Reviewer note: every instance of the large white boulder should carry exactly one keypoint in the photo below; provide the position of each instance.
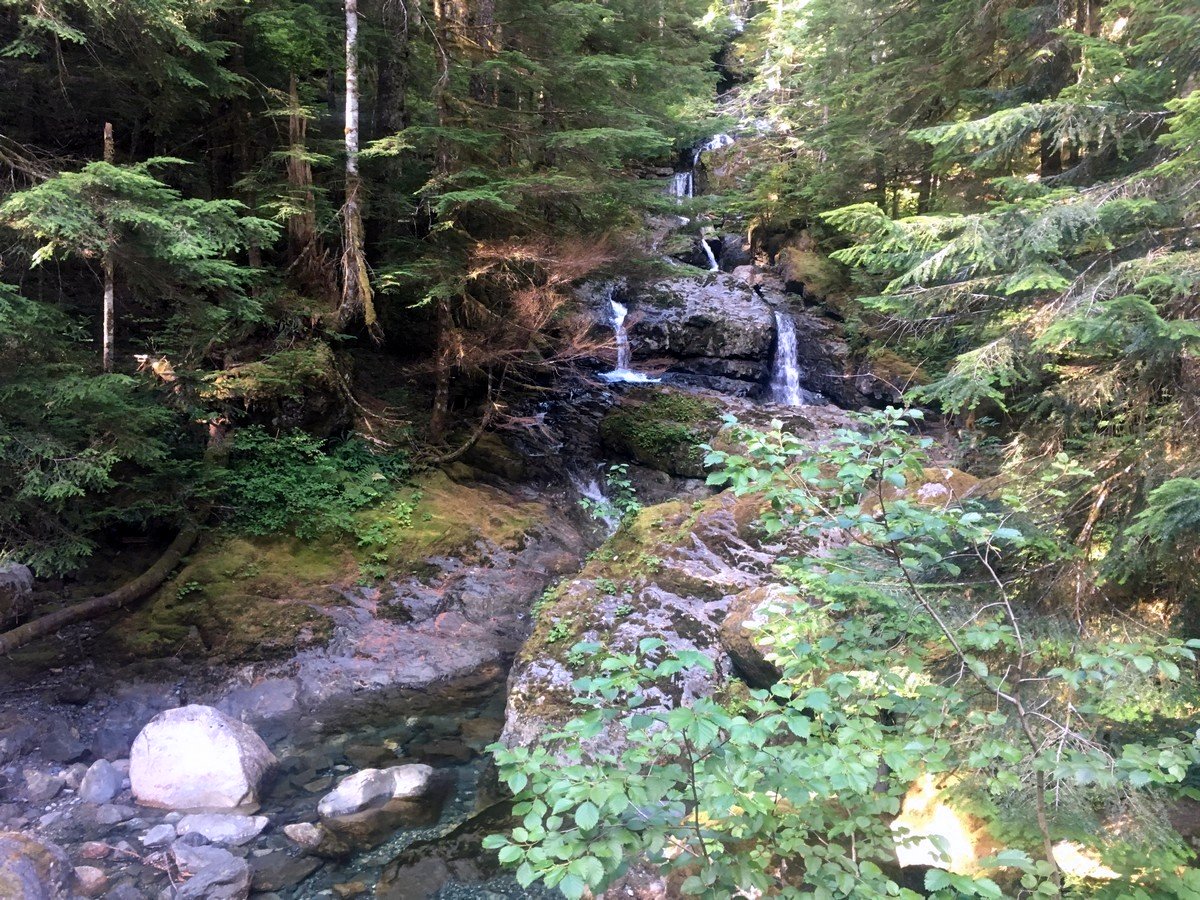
(197, 758)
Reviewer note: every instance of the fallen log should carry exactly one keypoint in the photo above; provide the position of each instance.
(94, 607)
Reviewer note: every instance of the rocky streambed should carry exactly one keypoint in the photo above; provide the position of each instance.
(283, 720)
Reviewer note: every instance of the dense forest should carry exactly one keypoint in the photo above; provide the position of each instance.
(599, 448)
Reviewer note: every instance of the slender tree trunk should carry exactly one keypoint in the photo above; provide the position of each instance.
(108, 327)
(440, 414)
(357, 302)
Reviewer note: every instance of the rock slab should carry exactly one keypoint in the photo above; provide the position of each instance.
(32, 870)
(196, 758)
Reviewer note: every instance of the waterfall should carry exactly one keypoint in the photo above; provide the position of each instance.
(623, 372)
(620, 311)
(683, 184)
(708, 252)
(785, 372)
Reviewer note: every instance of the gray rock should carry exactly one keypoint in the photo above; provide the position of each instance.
(277, 870)
(111, 814)
(33, 870)
(61, 743)
(735, 252)
(90, 881)
(375, 787)
(198, 758)
(101, 783)
(316, 839)
(125, 891)
(74, 775)
(16, 593)
(223, 828)
(216, 874)
(41, 787)
(159, 836)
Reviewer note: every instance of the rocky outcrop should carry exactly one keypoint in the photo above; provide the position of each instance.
(748, 611)
(16, 593)
(661, 428)
(669, 574)
(32, 870)
(708, 329)
(198, 758)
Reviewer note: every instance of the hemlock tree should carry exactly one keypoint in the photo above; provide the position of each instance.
(144, 230)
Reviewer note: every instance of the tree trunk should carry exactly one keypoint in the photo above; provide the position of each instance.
(108, 326)
(357, 302)
(130, 592)
(440, 414)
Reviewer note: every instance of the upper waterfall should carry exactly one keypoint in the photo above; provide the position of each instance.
(623, 372)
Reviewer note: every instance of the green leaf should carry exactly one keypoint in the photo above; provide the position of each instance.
(587, 815)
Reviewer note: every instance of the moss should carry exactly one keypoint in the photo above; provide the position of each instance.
(249, 598)
(662, 429)
(244, 598)
(283, 374)
(891, 367)
(817, 273)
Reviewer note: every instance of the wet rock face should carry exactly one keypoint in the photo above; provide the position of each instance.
(747, 611)
(198, 758)
(32, 870)
(16, 593)
(710, 328)
(669, 574)
(708, 318)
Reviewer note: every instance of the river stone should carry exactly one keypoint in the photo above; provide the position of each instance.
(101, 783)
(316, 839)
(41, 787)
(216, 873)
(375, 787)
(16, 593)
(222, 828)
(278, 870)
(33, 870)
(159, 836)
(90, 881)
(198, 758)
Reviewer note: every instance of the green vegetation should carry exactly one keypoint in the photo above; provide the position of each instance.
(662, 429)
(891, 672)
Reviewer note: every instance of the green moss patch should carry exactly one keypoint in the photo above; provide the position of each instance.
(663, 429)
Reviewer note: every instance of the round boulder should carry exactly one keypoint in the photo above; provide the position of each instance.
(196, 758)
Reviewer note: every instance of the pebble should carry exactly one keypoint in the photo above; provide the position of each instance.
(41, 787)
(94, 850)
(90, 881)
(159, 835)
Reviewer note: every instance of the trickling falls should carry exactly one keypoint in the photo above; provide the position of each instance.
(712, 258)
(683, 184)
(785, 372)
(623, 372)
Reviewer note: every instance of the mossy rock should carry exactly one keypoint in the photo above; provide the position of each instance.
(809, 273)
(241, 598)
(662, 429)
(491, 455)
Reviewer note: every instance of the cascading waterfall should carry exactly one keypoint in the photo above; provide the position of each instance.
(712, 258)
(623, 372)
(785, 371)
(683, 184)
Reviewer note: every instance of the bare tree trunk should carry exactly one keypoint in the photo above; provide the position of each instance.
(109, 272)
(357, 301)
(440, 414)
